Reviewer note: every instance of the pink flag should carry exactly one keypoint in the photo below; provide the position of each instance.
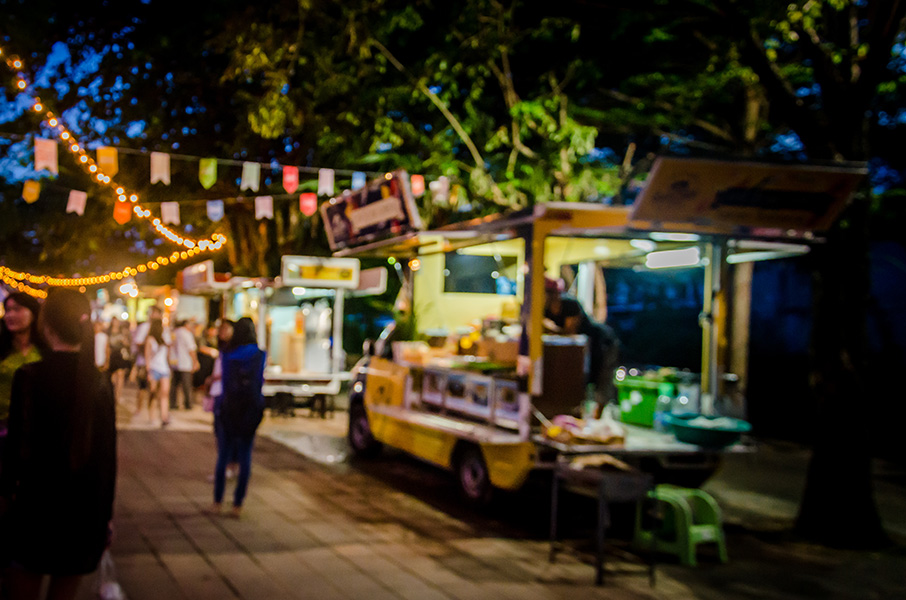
(308, 204)
(76, 202)
(290, 179)
(46, 156)
(169, 212)
(325, 181)
(264, 207)
(160, 167)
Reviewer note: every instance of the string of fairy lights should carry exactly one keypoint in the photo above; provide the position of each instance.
(20, 280)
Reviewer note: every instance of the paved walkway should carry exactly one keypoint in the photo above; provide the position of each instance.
(316, 526)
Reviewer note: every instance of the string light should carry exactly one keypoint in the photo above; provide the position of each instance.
(21, 280)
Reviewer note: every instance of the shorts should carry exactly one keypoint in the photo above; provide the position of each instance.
(157, 375)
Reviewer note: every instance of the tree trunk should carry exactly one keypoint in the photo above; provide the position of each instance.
(838, 506)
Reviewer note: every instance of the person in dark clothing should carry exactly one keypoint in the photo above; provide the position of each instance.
(59, 469)
(238, 410)
(564, 315)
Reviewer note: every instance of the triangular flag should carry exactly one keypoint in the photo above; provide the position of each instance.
(107, 160)
(308, 204)
(251, 176)
(76, 202)
(215, 210)
(46, 156)
(122, 212)
(325, 182)
(264, 207)
(169, 212)
(207, 172)
(290, 179)
(31, 190)
(358, 180)
(160, 167)
(418, 185)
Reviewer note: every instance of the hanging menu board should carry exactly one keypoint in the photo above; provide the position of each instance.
(383, 208)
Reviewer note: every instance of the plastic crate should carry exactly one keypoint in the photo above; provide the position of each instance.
(638, 398)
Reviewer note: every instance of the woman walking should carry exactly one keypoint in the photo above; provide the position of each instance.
(157, 359)
(59, 468)
(238, 411)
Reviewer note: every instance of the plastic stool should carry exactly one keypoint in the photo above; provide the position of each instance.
(691, 517)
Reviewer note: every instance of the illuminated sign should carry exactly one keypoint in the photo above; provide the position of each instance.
(313, 271)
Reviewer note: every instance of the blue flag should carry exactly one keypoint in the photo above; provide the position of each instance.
(358, 180)
(215, 210)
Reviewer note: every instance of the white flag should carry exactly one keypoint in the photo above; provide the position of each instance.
(160, 167)
(46, 156)
(169, 212)
(76, 202)
(264, 207)
(251, 176)
(325, 182)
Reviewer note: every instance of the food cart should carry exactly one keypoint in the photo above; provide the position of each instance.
(477, 388)
(299, 322)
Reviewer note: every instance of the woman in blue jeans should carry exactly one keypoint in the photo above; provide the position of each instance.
(238, 411)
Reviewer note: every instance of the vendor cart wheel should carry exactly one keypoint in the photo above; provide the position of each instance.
(359, 433)
(474, 479)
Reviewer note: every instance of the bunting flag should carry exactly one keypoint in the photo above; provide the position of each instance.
(46, 156)
(207, 172)
(264, 207)
(169, 212)
(160, 167)
(107, 160)
(290, 179)
(122, 212)
(418, 184)
(215, 210)
(251, 176)
(325, 182)
(31, 190)
(76, 202)
(440, 190)
(308, 204)
(358, 180)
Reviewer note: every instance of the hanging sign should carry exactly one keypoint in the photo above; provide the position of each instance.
(107, 160)
(264, 207)
(290, 179)
(251, 176)
(76, 202)
(215, 210)
(308, 204)
(169, 212)
(207, 172)
(122, 212)
(160, 167)
(46, 156)
(383, 208)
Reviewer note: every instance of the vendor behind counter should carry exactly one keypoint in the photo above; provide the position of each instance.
(564, 315)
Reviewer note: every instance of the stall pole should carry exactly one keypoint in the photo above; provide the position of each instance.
(336, 347)
(708, 321)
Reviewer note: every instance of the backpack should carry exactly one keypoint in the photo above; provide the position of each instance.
(242, 406)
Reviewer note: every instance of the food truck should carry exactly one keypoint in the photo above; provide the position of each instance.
(299, 322)
(478, 387)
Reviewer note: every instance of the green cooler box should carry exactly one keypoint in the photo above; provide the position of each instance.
(638, 398)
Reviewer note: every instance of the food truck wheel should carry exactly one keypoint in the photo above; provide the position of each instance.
(359, 434)
(474, 479)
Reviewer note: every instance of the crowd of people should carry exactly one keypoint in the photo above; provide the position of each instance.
(61, 373)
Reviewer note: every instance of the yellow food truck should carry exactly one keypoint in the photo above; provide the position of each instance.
(476, 386)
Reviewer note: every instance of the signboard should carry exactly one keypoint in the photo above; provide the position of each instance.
(198, 277)
(383, 208)
(743, 198)
(314, 271)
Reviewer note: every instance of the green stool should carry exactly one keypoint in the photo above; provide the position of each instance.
(690, 517)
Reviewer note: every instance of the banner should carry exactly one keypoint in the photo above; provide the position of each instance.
(31, 190)
(264, 207)
(207, 172)
(46, 156)
(440, 190)
(169, 212)
(358, 180)
(122, 212)
(107, 160)
(160, 167)
(308, 204)
(290, 179)
(76, 202)
(215, 210)
(325, 182)
(251, 176)
(418, 185)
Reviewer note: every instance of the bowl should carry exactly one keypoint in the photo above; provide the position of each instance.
(708, 431)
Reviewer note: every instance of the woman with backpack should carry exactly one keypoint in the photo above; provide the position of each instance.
(238, 410)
